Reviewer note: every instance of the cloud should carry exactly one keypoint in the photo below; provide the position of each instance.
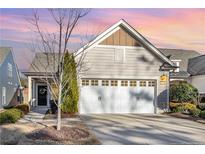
(169, 28)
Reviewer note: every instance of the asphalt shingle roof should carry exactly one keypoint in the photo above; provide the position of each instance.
(184, 56)
(196, 65)
(44, 62)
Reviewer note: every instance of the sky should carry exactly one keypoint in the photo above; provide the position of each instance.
(165, 28)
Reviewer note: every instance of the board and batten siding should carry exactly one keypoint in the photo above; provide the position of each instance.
(99, 62)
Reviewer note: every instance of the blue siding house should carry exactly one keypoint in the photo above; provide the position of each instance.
(9, 78)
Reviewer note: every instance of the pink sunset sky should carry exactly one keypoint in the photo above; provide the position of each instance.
(165, 28)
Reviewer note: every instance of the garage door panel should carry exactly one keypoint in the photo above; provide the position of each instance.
(119, 99)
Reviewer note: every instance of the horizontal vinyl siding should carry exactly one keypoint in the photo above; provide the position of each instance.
(138, 62)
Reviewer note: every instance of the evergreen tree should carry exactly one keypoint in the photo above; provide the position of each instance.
(70, 91)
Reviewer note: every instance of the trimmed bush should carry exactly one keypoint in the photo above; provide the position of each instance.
(201, 106)
(202, 114)
(23, 107)
(183, 92)
(10, 116)
(195, 112)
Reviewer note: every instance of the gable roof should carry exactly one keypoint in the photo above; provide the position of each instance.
(4, 51)
(130, 29)
(44, 62)
(196, 66)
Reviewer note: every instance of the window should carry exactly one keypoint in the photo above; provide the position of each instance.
(9, 69)
(94, 82)
(142, 83)
(113, 82)
(176, 63)
(124, 83)
(151, 83)
(3, 95)
(105, 82)
(133, 83)
(119, 55)
(85, 82)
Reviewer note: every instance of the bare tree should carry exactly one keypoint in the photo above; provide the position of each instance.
(54, 46)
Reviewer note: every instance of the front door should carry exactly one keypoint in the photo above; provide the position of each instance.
(42, 95)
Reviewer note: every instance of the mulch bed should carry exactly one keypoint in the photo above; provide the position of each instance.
(65, 134)
(186, 116)
(48, 115)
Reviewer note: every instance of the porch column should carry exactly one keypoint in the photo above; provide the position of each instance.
(48, 96)
(30, 90)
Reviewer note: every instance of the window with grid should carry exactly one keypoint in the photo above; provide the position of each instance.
(94, 82)
(133, 83)
(85, 82)
(151, 83)
(124, 83)
(142, 83)
(113, 82)
(105, 82)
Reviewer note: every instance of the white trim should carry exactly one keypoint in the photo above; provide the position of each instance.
(117, 77)
(121, 46)
(113, 29)
(41, 84)
(98, 39)
(177, 60)
(16, 67)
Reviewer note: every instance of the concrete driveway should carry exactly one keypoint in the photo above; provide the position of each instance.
(144, 129)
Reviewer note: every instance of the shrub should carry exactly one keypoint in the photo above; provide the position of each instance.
(201, 106)
(10, 116)
(23, 107)
(173, 105)
(202, 114)
(195, 112)
(70, 91)
(183, 92)
(178, 109)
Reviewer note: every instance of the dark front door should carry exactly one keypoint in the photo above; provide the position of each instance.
(42, 95)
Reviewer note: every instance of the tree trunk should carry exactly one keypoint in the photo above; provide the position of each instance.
(59, 102)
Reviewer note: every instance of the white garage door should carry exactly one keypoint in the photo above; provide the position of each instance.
(117, 96)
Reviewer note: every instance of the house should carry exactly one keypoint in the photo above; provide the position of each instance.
(180, 58)
(9, 78)
(196, 69)
(126, 74)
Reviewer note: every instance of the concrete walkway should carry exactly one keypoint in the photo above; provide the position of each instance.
(144, 129)
(36, 115)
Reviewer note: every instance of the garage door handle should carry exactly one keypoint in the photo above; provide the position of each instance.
(99, 98)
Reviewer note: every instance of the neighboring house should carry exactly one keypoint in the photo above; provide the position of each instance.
(9, 78)
(196, 68)
(180, 58)
(126, 74)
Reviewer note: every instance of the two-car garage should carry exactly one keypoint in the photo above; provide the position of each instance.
(117, 96)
